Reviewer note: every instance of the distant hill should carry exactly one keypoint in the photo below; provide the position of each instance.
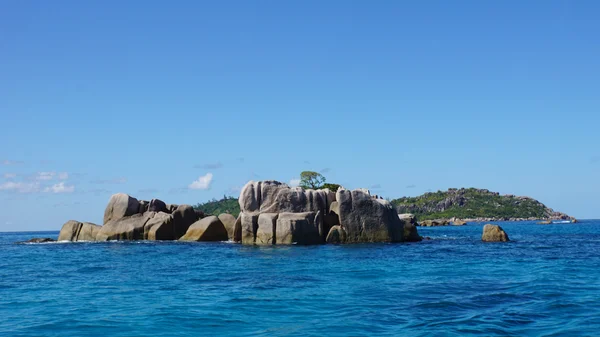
(471, 203)
(215, 207)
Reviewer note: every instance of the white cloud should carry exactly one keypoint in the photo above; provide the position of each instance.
(45, 176)
(294, 182)
(63, 176)
(203, 182)
(10, 175)
(20, 187)
(7, 162)
(60, 188)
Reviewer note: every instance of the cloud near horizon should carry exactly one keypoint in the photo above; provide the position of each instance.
(294, 182)
(46, 176)
(7, 162)
(60, 188)
(203, 182)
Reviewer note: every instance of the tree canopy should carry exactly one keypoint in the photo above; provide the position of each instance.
(311, 180)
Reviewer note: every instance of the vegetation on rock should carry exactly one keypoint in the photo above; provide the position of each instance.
(215, 207)
(470, 203)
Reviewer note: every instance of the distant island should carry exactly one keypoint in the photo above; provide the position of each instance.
(474, 204)
(469, 204)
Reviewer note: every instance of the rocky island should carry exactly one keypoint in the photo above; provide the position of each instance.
(271, 213)
(475, 205)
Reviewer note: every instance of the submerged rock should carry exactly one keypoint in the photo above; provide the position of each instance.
(494, 233)
(38, 240)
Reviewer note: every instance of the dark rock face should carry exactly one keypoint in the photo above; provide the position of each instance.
(494, 233)
(157, 206)
(228, 221)
(336, 235)
(410, 228)
(183, 217)
(38, 240)
(366, 219)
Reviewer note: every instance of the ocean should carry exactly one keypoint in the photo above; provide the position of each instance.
(545, 282)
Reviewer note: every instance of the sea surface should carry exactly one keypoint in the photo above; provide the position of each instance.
(545, 282)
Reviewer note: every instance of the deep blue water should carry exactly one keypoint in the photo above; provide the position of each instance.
(546, 282)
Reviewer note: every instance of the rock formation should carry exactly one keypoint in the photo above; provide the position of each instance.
(274, 213)
(410, 227)
(494, 233)
(127, 218)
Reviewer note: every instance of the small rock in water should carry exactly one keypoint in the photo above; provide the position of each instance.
(494, 233)
(38, 240)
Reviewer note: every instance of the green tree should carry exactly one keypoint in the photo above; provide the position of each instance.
(331, 187)
(311, 180)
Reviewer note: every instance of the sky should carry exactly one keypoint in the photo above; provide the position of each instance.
(187, 101)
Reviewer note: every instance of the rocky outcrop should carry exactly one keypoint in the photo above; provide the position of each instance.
(457, 222)
(78, 231)
(228, 221)
(207, 229)
(366, 219)
(274, 213)
(434, 223)
(121, 205)
(127, 218)
(410, 227)
(494, 233)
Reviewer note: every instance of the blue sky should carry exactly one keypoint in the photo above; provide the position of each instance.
(189, 100)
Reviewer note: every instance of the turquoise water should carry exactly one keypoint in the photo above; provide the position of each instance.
(546, 282)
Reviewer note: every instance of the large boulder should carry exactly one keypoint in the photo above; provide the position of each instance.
(159, 226)
(228, 221)
(119, 206)
(77, 231)
(206, 229)
(410, 228)
(249, 226)
(494, 233)
(157, 205)
(127, 228)
(297, 228)
(183, 217)
(265, 233)
(275, 197)
(366, 219)
(336, 235)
